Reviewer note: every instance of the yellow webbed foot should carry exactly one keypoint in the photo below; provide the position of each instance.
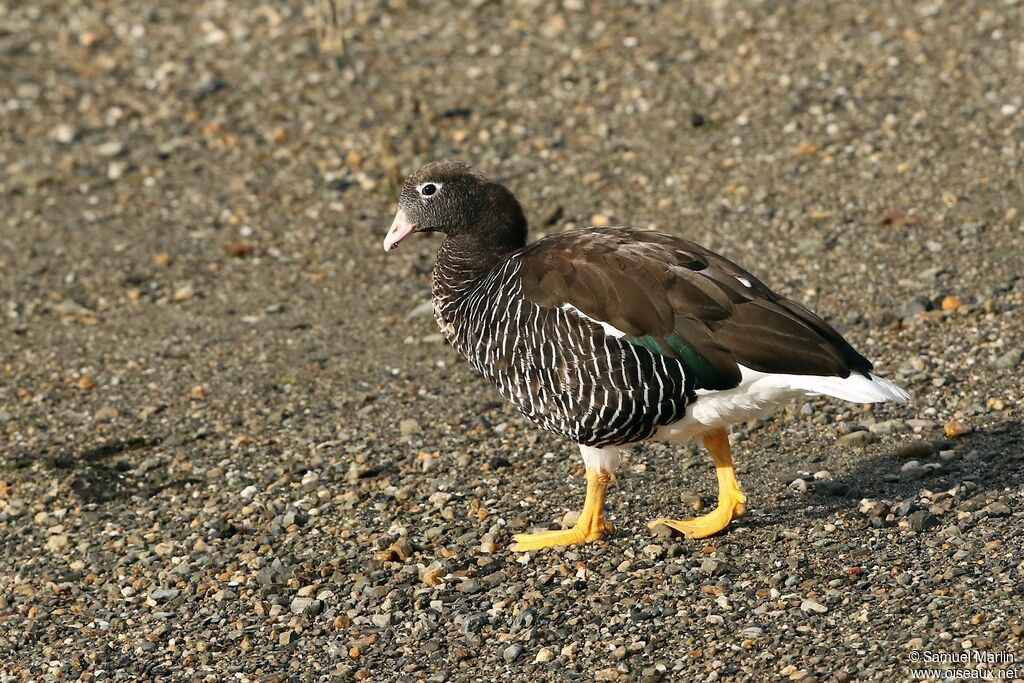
(549, 539)
(590, 526)
(731, 501)
(709, 524)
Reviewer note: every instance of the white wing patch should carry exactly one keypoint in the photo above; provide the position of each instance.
(743, 281)
(608, 329)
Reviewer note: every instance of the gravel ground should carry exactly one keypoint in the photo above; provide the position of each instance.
(233, 445)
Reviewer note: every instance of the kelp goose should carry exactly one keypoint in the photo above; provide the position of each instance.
(612, 336)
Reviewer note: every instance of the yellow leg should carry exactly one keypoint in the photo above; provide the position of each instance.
(591, 525)
(731, 501)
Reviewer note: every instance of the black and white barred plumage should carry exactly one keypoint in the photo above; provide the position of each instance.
(559, 368)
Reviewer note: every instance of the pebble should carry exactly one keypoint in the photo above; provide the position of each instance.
(1008, 360)
(421, 310)
(162, 595)
(64, 133)
(873, 508)
(955, 429)
(409, 426)
(112, 148)
(544, 655)
(922, 520)
(917, 306)
(859, 439)
(916, 449)
(834, 488)
(107, 413)
(512, 652)
(306, 606)
(116, 169)
(813, 606)
(912, 470)
(57, 542)
(654, 551)
(710, 565)
(951, 302)
(662, 531)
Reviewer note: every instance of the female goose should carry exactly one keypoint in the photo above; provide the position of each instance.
(612, 336)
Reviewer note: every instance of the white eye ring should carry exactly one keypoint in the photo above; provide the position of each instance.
(428, 190)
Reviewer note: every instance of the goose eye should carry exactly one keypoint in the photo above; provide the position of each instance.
(429, 189)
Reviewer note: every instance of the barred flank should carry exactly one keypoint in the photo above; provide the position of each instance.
(558, 368)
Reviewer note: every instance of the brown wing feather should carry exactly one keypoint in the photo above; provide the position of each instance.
(649, 284)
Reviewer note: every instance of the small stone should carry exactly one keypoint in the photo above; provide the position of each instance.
(409, 426)
(922, 520)
(813, 606)
(432, 574)
(798, 485)
(306, 606)
(714, 619)
(834, 488)
(401, 549)
(57, 543)
(422, 310)
(654, 551)
(859, 439)
(248, 492)
(954, 429)
(1008, 360)
(709, 565)
(113, 148)
(997, 509)
(916, 449)
(919, 425)
(916, 306)
(278, 136)
(512, 652)
(107, 413)
(287, 637)
(822, 474)
(544, 655)
(64, 133)
(162, 595)
(692, 500)
(662, 531)
(116, 170)
(873, 508)
(951, 302)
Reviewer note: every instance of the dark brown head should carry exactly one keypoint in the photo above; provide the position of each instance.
(451, 197)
